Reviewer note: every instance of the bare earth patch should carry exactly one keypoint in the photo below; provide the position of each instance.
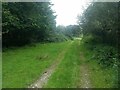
(85, 81)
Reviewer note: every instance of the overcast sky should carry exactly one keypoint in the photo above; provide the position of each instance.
(67, 10)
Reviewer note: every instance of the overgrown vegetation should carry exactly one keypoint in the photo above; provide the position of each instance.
(103, 66)
(106, 56)
(101, 32)
(100, 27)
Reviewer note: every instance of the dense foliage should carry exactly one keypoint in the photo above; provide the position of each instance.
(31, 22)
(25, 23)
(100, 24)
(101, 20)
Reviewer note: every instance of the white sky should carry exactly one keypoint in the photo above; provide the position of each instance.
(67, 10)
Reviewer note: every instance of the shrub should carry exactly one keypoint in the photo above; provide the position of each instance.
(107, 56)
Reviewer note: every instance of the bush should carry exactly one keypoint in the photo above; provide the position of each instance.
(107, 56)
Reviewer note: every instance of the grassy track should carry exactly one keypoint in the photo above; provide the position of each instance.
(23, 66)
(65, 75)
(42, 80)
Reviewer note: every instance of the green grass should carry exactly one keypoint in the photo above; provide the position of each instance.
(66, 75)
(100, 77)
(24, 65)
(103, 78)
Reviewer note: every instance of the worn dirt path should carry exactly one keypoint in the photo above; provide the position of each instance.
(84, 81)
(47, 73)
(84, 73)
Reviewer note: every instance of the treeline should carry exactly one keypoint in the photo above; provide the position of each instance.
(28, 22)
(68, 32)
(101, 20)
(100, 27)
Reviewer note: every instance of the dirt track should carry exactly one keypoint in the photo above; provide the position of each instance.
(47, 73)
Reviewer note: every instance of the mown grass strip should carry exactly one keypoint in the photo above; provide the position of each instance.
(65, 75)
(23, 66)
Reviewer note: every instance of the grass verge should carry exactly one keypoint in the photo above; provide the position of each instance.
(22, 66)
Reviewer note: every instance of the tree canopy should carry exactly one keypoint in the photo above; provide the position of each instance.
(100, 20)
(26, 22)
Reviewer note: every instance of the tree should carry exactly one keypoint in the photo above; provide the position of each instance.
(100, 20)
(26, 22)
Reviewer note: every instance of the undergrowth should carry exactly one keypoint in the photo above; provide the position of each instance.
(106, 55)
(105, 60)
